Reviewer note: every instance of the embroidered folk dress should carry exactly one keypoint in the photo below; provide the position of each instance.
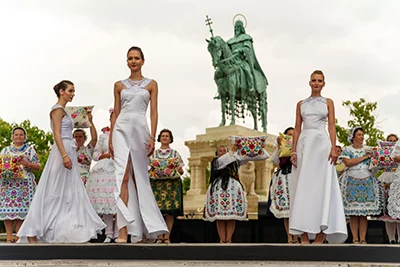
(279, 190)
(101, 185)
(227, 203)
(393, 205)
(362, 193)
(168, 191)
(85, 154)
(16, 194)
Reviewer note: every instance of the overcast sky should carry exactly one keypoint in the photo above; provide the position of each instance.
(356, 44)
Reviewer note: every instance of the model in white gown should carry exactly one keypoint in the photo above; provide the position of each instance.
(61, 211)
(141, 216)
(315, 198)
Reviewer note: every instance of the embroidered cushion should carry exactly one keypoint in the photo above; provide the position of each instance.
(164, 168)
(385, 143)
(381, 158)
(80, 115)
(286, 145)
(10, 167)
(250, 148)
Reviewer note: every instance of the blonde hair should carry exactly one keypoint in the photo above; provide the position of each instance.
(318, 72)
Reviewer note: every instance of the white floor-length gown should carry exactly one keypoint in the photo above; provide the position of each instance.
(60, 211)
(130, 136)
(315, 199)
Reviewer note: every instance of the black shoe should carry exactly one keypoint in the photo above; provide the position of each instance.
(392, 242)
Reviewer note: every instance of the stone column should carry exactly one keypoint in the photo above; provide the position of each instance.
(197, 176)
(263, 176)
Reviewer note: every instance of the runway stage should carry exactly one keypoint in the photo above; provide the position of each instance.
(204, 252)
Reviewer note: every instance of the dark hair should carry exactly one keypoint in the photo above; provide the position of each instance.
(392, 134)
(135, 48)
(339, 147)
(80, 131)
(19, 128)
(63, 85)
(288, 129)
(354, 134)
(171, 137)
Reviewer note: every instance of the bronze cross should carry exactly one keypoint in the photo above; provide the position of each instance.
(208, 23)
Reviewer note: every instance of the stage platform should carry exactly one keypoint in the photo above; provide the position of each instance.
(234, 253)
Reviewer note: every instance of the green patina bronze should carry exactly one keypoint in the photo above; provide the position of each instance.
(242, 85)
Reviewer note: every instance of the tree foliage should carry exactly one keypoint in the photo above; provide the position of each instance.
(40, 140)
(362, 113)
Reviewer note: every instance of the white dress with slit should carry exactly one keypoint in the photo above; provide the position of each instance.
(141, 215)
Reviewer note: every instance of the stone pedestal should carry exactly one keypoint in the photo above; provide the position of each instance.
(202, 151)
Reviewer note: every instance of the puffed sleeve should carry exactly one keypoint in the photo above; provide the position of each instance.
(98, 150)
(33, 157)
(178, 156)
(346, 153)
(275, 156)
(396, 150)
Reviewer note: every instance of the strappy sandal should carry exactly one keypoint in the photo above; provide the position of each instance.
(363, 242)
(356, 242)
(10, 241)
(159, 241)
(166, 241)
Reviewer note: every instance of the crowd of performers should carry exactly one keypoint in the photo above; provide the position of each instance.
(73, 202)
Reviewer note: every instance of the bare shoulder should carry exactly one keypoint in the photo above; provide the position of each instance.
(118, 86)
(153, 86)
(329, 101)
(299, 103)
(57, 113)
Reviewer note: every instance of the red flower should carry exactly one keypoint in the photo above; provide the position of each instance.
(14, 160)
(243, 153)
(259, 152)
(80, 160)
(252, 146)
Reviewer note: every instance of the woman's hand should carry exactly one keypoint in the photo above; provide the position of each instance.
(179, 169)
(150, 147)
(278, 141)
(24, 163)
(111, 148)
(333, 156)
(105, 156)
(293, 159)
(90, 117)
(67, 162)
(234, 148)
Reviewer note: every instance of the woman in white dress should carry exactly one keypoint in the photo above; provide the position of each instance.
(280, 198)
(131, 143)
(60, 211)
(225, 198)
(101, 185)
(316, 208)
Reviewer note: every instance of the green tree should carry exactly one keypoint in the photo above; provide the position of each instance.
(39, 139)
(362, 113)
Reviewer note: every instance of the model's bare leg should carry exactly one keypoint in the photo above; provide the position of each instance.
(221, 230)
(124, 195)
(18, 224)
(9, 225)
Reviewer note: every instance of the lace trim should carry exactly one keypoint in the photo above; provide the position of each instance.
(311, 98)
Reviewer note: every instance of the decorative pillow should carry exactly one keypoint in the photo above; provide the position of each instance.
(250, 148)
(10, 167)
(164, 168)
(80, 115)
(286, 145)
(385, 143)
(381, 158)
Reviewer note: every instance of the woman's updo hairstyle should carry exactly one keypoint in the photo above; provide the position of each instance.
(135, 48)
(63, 85)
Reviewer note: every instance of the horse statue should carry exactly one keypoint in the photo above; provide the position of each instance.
(240, 81)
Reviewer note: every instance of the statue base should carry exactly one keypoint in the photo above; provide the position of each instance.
(202, 151)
